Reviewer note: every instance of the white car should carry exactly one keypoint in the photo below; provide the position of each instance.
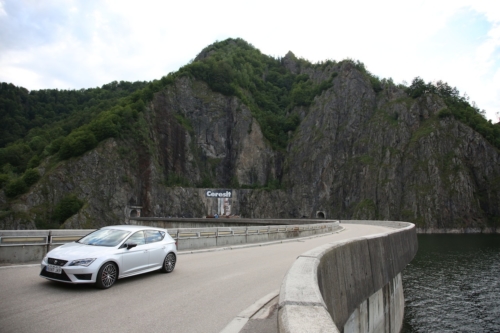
(111, 253)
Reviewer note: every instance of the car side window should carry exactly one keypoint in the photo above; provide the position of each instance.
(153, 236)
(137, 238)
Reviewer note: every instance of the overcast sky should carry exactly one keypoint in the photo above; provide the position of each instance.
(71, 44)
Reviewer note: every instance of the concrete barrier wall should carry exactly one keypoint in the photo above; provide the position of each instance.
(329, 284)
(381, 312)
(21, 246)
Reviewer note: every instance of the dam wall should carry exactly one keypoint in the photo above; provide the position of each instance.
(349, 286)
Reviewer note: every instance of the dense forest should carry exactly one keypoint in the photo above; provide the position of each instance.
(56, 125)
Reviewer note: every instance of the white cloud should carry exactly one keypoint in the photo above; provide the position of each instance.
(77, 44)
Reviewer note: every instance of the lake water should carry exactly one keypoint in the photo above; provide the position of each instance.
(453, 285)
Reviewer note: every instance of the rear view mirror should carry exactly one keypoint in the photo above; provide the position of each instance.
(128, 245)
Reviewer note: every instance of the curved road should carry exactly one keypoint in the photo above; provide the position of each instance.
(203, 294)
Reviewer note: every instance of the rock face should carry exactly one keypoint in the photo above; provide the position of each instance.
(357, 154)
(389, 157)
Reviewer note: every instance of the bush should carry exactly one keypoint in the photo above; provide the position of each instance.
(105, 127)
(16, 155)
(16, 188)
(37, 143)
(445, 113)
(67, 207)
(31, 176)
(376, 84)
(77, 143)
(4, 179)
(54, 146)
(34, 162)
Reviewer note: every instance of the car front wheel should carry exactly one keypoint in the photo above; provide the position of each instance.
(169, 263)
(107, 276)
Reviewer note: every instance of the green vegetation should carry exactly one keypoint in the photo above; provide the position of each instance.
(62, 124)
(185, 123)
(38, 124)
(457, 107)
(67, 207)
(22, 111)
(366, 160)
(422, 131)
(235, 68)
(15, 188)
(31, 176)
(272, 184)
(366, 207)
(46, 126)
(375, 81)
(174, 179)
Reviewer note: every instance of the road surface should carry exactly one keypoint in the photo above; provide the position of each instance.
(203, 294)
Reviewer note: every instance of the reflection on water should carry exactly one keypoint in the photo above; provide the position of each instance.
(453, 285)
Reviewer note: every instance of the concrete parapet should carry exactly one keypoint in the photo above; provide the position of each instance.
(344, 275)
(381, 312)
(300, 302)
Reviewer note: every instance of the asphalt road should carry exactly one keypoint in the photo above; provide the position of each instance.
(203, 294)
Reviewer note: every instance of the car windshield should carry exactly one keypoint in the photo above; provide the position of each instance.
(104, 237)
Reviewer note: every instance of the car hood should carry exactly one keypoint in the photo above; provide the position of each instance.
(75, 250)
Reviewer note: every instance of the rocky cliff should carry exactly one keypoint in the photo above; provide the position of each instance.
(356, 153)
(387, 156)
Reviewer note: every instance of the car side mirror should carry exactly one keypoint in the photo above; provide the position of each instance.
(131, 245)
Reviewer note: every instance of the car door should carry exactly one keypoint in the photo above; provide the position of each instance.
(135, 259)
(156, 247)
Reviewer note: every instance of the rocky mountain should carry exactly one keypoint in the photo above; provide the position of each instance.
(291, 139)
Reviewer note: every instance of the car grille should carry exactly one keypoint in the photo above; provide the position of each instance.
(55, 276)
(57, 262)
(83, 276)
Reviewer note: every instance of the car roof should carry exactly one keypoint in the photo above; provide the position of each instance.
(131, 228)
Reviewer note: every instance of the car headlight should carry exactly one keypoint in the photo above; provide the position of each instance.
(82, 262)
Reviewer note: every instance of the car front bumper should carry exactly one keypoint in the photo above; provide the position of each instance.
(70, 274)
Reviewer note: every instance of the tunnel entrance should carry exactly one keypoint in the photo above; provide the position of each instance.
(133, 211)
(320, 215)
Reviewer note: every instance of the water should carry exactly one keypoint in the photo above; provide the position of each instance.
(453, 285)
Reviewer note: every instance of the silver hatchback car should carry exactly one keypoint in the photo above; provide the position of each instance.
(111, 253)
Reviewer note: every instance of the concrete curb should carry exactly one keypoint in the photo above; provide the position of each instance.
(237, 324)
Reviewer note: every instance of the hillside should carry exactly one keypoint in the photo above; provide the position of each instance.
(290, 138)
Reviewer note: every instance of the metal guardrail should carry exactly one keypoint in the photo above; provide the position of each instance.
(18, 246)
(185, 233)
(23, 240)
(48, 239)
